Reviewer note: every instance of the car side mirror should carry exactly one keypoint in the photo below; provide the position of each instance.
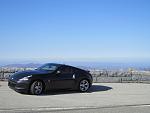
(58, 72)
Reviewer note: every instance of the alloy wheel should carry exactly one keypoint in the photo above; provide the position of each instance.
(84, 85)
(37, 88)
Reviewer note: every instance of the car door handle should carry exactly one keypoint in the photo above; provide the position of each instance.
(73, 76)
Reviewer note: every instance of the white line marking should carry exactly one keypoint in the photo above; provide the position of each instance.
(71, 108)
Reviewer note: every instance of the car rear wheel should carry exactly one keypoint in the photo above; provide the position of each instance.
(84, 85)
(36, 88)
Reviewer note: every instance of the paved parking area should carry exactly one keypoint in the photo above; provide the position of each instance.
(100, 96)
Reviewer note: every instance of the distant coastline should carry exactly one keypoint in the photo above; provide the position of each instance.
(88, 65)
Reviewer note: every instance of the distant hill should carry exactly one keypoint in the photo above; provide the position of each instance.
(29, 65)
(89, 65)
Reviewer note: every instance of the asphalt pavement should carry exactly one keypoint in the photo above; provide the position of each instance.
(101, 98)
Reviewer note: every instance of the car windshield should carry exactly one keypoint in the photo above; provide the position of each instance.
(48, 67)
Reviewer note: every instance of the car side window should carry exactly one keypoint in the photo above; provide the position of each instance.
(66, 70)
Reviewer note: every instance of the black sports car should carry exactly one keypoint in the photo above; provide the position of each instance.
(50, 76)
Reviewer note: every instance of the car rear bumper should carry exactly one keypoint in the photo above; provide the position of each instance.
(19, 87)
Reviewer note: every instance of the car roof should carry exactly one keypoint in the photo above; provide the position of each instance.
(61, 65)
(65, 65)
(54, 64)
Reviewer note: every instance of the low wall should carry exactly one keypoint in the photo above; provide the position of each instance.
(105, 76)
(120, 80)
(4, 76)
(121, 77)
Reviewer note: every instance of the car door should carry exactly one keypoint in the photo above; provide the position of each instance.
(64, 79)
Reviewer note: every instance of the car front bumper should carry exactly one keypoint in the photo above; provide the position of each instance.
(21, 87)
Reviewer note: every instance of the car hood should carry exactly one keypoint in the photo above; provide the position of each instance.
(19, 75)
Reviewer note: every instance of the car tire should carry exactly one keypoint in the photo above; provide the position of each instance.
(36, 88)
(84, 85)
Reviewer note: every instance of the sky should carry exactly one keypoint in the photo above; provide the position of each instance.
(75, 30)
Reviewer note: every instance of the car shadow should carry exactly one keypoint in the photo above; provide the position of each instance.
(98, 88)
(94, 88)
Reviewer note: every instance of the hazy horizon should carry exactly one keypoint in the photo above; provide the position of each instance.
(97, 64)
(105, 60)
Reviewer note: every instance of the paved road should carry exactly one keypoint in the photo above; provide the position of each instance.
(102, 97)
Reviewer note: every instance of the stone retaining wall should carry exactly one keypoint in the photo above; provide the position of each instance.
(121, 76)
(105, 76)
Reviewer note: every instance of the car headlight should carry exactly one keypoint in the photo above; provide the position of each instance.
(25, 78)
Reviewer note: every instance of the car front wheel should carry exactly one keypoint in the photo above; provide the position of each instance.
(36, 88)
(84, 85)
